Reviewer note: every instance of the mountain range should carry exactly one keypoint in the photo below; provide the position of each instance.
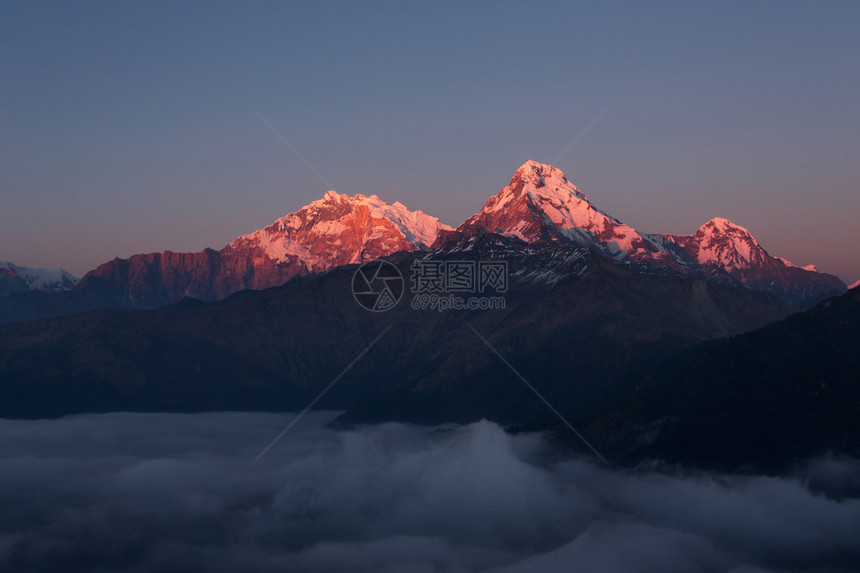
(675, 346)
(646, 364)
(333, 231)
(17, 279)
(576, 321)
(539, 205)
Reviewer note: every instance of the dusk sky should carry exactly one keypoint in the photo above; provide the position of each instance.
(131, 127)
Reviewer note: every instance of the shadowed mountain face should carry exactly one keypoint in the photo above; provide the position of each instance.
(574, 324)
(791, 389)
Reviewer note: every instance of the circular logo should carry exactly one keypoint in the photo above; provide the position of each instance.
(377, 285)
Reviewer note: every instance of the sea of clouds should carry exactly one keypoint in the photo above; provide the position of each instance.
(175, 492)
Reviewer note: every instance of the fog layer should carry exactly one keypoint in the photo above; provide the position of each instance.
(171, 492)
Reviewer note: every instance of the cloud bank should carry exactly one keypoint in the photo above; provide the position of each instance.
(172, 492)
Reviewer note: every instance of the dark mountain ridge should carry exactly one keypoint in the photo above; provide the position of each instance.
(578, 335)
(761, 399)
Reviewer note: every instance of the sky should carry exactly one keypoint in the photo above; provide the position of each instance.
(133, 127)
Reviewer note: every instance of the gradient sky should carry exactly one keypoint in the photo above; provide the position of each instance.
(130, 127)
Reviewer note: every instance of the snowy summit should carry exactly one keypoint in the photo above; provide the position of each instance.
(15, 278)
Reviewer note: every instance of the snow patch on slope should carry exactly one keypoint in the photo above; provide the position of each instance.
(810, 268)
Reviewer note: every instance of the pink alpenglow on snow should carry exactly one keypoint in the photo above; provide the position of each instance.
(541, 204)
(339, 230)
(722, 246)
(332, 231)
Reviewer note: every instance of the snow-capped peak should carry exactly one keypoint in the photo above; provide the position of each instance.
(540, 203)
(724, 225)
(338, 229)
(721, 243)
(53, 280)
(724, 247)
(855, 285)
(417, 227)
(551, 180)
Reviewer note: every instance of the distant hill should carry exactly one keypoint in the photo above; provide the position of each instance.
(764, 398)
